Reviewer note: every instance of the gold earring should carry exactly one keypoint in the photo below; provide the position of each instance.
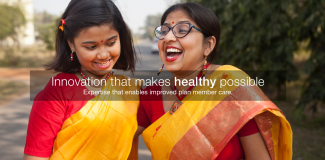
(205, 66)
(160, 69)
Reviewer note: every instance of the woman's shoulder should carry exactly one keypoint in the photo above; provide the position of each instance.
(52, 95)
(60, 87)
(227, 71)
(60, 81)
(54, 81)
(216, 67)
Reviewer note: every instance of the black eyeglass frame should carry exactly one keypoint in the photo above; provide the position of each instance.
(172, 28)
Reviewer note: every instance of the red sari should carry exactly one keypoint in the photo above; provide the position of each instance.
(205, 124)
(151, 109)
(67, 123)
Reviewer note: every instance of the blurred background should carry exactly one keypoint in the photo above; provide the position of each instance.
(283, 35)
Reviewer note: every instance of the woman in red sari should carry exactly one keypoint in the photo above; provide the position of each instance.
(75, 116)
(242, 125)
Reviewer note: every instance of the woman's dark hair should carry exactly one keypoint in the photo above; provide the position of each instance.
(205, 19)
(83, 14)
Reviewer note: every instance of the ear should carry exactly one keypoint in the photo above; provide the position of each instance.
(72, 47)
(210, 43)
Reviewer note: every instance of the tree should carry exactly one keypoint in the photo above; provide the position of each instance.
(11, 21)
(45, 25)
(311, 26)
(257, 35)
(265, 34)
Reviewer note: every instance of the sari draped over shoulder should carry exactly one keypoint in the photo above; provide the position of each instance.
(201, 129)
(102, 129)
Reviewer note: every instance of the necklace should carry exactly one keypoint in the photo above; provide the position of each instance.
(93, 85)
(181, 98)
(177, 104)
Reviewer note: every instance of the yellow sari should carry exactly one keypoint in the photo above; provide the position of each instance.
(103, 129)
(201, 129)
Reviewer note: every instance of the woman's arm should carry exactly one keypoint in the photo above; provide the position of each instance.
(138, 132)
(29, 157)
(254, 147)
(45, 121)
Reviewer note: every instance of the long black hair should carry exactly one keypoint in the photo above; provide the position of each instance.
(83, 14)
(205, 19)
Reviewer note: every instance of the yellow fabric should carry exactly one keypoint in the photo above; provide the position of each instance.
(162, 136)
(281, 135)
(282, 140)
(102, 129)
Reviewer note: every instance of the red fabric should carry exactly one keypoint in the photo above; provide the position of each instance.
(51, 107)
(151, 109)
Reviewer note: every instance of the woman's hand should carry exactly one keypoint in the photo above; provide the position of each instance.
(29, 157)
(138, 132)
(254, 147)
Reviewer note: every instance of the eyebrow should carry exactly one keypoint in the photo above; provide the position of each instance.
(185, 21)
(96, 42)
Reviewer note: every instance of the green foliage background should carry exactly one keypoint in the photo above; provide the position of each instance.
(11, 19)
(11, 22)
(264, 35)
(310, 26)
(45, 25)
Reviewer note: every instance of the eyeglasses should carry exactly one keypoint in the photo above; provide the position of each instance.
(179, 30)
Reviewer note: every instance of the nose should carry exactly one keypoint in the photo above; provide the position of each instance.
(170, 37)
(103, 53)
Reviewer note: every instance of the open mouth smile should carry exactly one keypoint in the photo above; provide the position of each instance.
(103, 65)
(172, 53)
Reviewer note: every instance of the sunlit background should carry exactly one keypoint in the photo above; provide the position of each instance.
(255, 35)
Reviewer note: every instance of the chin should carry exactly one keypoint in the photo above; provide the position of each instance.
(173, 68)
(102, 72)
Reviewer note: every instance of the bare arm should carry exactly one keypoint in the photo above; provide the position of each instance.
(254, 147)
(138, 132)
(29, 157)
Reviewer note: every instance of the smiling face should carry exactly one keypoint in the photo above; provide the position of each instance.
(180, 54)
(98, 49)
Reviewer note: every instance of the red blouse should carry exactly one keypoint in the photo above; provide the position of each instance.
(151, 109)
(51, 107)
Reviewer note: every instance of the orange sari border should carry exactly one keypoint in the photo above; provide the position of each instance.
(201, 142)
(264, 127)
(201, 129)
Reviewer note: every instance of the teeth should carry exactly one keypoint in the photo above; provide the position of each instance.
(173, 50)
(172, 56)
(101, 63)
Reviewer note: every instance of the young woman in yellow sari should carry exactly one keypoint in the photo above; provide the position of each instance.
(242, 125)
(77, 116)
